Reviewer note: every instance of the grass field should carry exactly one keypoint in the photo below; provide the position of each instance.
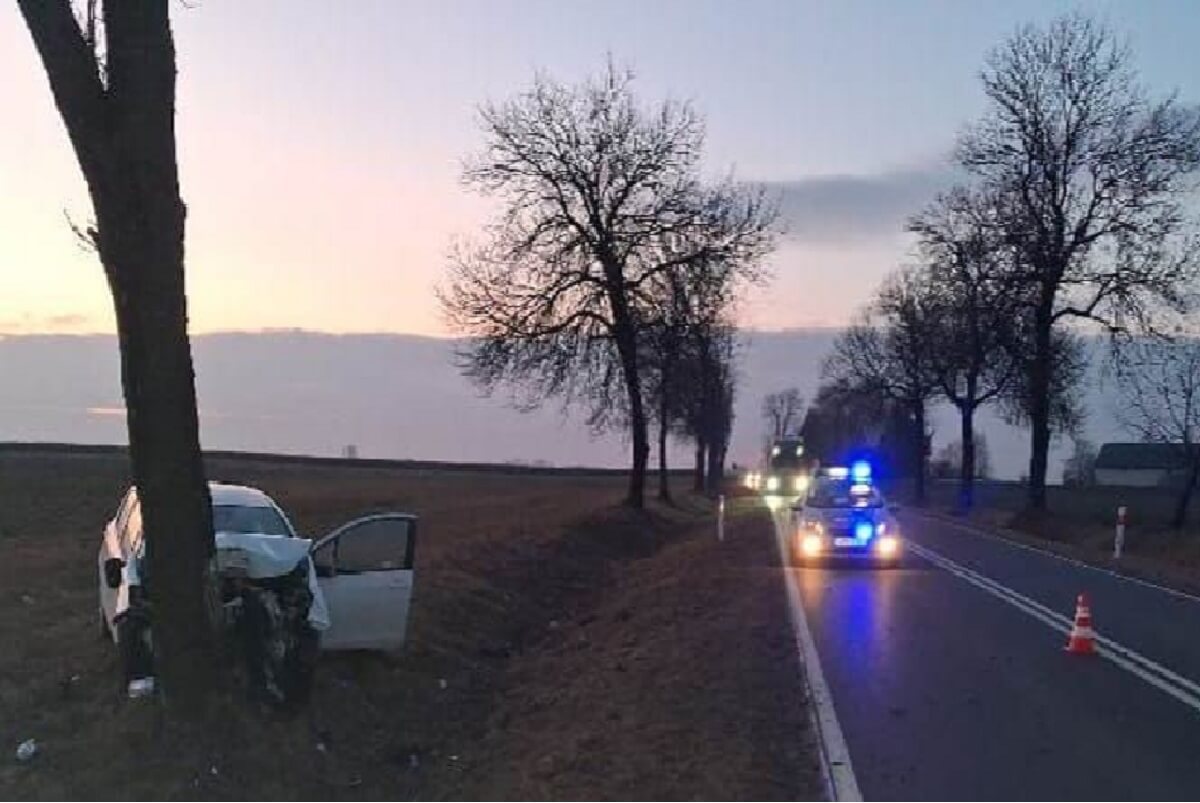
(560, 645)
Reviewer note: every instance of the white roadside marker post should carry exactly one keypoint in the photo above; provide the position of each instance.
(1119, 543)
(721, 517)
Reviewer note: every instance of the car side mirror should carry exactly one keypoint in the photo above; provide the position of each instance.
(113, 568)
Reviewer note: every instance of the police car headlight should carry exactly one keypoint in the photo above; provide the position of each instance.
(888, 546)
(811, 545)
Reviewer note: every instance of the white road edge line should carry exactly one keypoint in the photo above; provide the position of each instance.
(835, 755)
(1162, 678)
(980, 531)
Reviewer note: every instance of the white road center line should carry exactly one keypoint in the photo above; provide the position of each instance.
(835, 755)
(1181, 688)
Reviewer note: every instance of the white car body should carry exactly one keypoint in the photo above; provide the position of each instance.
(361, 574)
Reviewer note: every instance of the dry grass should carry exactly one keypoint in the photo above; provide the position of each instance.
(585, 651)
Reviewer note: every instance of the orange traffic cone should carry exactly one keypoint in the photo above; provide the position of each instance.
(1083, 639)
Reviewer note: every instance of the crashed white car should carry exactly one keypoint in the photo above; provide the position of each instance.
(350, 589)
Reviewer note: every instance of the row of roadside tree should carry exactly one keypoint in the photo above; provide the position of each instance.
(1070, 218)
(610, 276)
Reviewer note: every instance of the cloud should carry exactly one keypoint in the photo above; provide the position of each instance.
(850, 208)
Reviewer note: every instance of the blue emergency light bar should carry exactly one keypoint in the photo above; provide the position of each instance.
(863, 530)
(859, 472)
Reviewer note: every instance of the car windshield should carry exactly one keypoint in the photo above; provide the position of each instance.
(245, 519)
(832, 492)
(787, 455)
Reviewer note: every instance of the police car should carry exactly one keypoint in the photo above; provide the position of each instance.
(843, 515)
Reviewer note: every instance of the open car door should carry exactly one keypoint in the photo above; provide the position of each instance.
(365, 570)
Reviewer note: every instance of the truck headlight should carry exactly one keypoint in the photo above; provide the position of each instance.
(800, 484)
(811, 545)
(772, 483)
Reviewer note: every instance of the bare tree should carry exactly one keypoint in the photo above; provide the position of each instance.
(119, 110)
(949, 461)
(666, 341)
(717, 388)
(978, 305)
(842, 418)
(889, 352)
(1080, 467)
(690, 306)
(708, 370)
(592, 186)
(1159, 384)
(1094, 171)
(1063, 402)
(782, 411)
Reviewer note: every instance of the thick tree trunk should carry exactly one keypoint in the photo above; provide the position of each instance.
(1185, 495)
(664, 485)
(158, 380)
(123, 134)
(966, 487)
(919, 455)
(1039, 406)
(625, 334)
(641, 448)
(716, 469)
(699, 475)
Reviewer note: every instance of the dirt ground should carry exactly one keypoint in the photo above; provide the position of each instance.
(560, 646)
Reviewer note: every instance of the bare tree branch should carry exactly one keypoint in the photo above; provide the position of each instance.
(603, 213)
(1095, 175)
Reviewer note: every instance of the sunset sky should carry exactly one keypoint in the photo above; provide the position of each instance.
(320, 143)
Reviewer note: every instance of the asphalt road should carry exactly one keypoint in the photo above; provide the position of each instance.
(948, 678)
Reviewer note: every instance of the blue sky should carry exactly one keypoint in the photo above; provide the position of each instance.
(320, 142)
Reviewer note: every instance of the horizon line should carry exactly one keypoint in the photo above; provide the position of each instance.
(300, 330)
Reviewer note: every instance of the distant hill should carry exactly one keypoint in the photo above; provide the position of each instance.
(394, 396)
